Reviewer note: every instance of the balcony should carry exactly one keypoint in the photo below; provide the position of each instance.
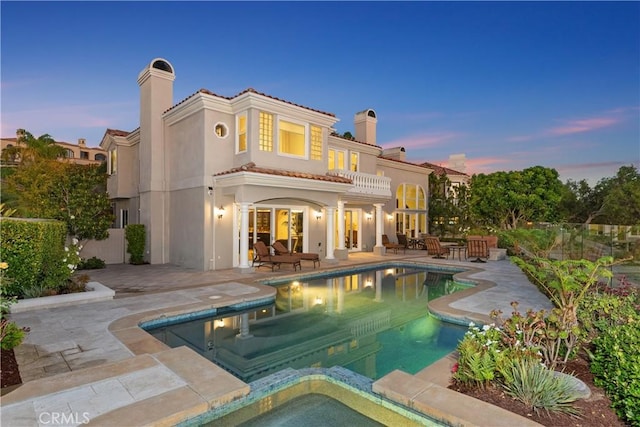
(365, 185)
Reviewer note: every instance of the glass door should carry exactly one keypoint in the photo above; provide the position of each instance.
(351, 229)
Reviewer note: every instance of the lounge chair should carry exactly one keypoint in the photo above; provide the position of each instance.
(391, 246)
(264, 257)
(478, 248)
(281, 249)
(435, 248)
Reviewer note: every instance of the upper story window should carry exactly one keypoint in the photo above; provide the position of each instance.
(316, 143)
(68, 154)
(100, 157)
(266, 132)
(336, 159)
(241, 126)
(84, 155)
(410, 196)
(354, 160)
(291, 139)
(112, 167)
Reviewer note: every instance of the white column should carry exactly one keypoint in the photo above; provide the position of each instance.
(244, 235)
(379, 223)
(244, 326)
(378, 286)
(340, 224)
(330, 210)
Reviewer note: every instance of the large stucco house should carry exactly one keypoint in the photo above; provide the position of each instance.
(210, 174)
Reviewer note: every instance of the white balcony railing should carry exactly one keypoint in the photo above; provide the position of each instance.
(365, 183)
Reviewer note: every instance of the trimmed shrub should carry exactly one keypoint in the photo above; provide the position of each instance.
(35, 252)
(616, 366)
(136, 237)
(92, 263)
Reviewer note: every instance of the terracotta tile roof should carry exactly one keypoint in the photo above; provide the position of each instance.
(117, 132)
(251, 167)
(399, 161)
(442, 170)
(248, 90)
(337, 135)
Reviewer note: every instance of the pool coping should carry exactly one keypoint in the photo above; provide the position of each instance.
(209, 386)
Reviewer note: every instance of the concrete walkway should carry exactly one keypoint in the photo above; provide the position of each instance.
(93, 363)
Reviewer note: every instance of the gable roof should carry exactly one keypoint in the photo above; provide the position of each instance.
(442, 170)
(248, 90)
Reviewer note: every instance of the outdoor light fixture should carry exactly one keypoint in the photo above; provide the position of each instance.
(368, 215)
(390, 217)
(318, 300)
(210, 190)
(219, 323)
(220, 212)
(318, 215)
(368, 283)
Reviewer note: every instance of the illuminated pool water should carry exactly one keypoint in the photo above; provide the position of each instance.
(369, 320)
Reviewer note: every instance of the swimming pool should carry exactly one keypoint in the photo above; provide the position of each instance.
(371, 320)
(311, 397)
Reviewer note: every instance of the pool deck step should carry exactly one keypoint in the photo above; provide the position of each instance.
(443, 404)
(159, 389)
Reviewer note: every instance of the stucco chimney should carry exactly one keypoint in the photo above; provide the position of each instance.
(82, 142)
(365, 125)
(395, 153)
(458, 162)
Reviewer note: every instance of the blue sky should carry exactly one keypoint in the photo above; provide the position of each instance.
(509, 84)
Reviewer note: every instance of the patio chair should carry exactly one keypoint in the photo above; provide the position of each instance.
(402, 240)
(281, 249)
(477, 248)
(435, 248)
(391, 246)
(264, 257)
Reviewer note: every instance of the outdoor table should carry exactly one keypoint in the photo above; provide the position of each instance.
(459, 249)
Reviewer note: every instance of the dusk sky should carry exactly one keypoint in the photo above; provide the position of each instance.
(509, 84)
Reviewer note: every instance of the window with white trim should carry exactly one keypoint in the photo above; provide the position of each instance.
(266, 132)
(241, 138)
(113, 161)
(354, 160)
(292, 139)
(316, 143)
(336, 159)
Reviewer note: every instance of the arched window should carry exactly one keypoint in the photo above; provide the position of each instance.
(100, 157)
(68, 153)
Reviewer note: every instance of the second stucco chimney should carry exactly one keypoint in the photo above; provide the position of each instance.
(365, 124)
(82, 142)
(395, 153)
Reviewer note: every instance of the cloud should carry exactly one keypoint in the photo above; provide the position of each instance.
(570, 127)
(584, 125)
(425, 140)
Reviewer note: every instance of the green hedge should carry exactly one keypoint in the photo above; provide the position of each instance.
(34, 250)
(136, 237)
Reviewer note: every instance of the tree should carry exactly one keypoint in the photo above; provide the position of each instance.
(506, 199)
(613, 200)
(622, 202)
(75, 194)
(30, 148)
(448, 206)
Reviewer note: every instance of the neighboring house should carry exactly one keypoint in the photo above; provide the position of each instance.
(77, 153)
(210, 175)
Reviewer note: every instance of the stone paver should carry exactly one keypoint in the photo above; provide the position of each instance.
(68, 339)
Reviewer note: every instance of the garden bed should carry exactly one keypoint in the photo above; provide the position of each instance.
(594, 412)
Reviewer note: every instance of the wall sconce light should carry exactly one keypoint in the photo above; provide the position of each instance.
(219, 323)
(220, 212)
(210, 191)
(389, 217)
(318, 300)
(318, 215)
(368, 283)
(368, 216)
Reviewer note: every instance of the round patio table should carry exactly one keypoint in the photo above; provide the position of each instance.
(459, 249)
